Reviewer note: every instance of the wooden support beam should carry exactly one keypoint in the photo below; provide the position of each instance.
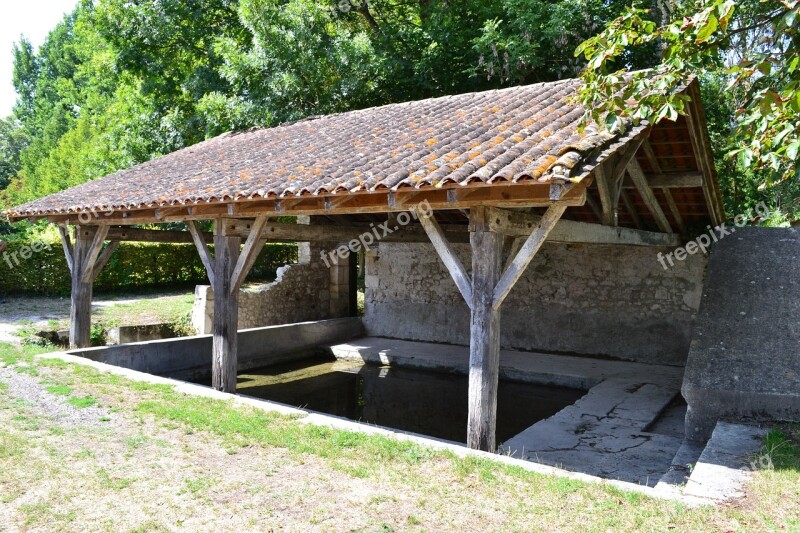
(605, 187)
(515, 223)
(122, 233)
(672, 180)
(448, 257)
(94, 252)
(103, 259)
(527, 194)
(640, 181)
(88, 244)
(224, 366)
(226, 270)
(676, 213)
(526, 253)
(253, 245)
(484, 346)
(521, 224)
(66, 243)
(202, 249)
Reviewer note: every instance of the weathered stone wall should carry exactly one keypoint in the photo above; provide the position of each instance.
(605, 300)
(302, 292)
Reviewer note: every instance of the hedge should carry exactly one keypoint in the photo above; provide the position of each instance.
(133, 266)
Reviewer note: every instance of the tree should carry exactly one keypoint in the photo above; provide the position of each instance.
(12, 141)
(752, 45)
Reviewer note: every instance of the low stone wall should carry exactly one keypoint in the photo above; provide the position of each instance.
(615, 301)
(189, 358)
(299, 294)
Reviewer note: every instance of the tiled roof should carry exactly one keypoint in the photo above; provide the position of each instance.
(508, 135)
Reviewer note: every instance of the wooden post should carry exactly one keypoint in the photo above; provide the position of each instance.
(227, 270)
(224, 366)
(484, 351)
(85, 263)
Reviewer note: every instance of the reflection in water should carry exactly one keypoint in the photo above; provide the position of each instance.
(420, 401)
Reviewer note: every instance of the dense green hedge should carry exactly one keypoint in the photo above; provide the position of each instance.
(133, 266)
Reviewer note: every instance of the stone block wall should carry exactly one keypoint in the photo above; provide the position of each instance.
(306, 291)
(602, 300)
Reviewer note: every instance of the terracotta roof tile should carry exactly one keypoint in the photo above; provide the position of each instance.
(508, 135)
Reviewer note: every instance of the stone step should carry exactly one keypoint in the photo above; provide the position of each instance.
(727, 462)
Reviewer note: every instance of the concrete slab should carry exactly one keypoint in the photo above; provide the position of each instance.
(726, 463)
(531, 367)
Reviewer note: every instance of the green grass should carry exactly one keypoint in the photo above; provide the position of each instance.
(426, 481)
(59, 390)
(82, 403)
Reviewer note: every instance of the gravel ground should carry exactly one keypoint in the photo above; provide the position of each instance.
(29, 389)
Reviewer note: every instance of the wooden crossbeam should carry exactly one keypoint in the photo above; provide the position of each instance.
(122, 233)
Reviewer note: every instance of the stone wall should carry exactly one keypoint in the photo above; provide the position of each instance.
(307, 291)
(604, 300)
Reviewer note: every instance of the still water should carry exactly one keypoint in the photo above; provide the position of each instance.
(421, 401)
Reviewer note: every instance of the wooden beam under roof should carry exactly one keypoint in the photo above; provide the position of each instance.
(528, 194)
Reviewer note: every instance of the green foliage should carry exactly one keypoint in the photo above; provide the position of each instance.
(117, 83)
(533, 40)
(39, 267)
(750, 46)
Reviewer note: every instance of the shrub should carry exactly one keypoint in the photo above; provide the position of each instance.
(40, 268)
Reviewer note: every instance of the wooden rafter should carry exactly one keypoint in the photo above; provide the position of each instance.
(640, 181)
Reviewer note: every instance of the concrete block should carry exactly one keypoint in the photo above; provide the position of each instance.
(744, 359)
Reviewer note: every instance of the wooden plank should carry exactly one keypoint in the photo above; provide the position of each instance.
(484, 346)
(104, 258)
(673, 180)
(640, 181)
(93, 252)
(202, 249)
(252, 246)
(526, 253)
(66, 244)
(122, 233)
(224, 366)
(448, 257)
